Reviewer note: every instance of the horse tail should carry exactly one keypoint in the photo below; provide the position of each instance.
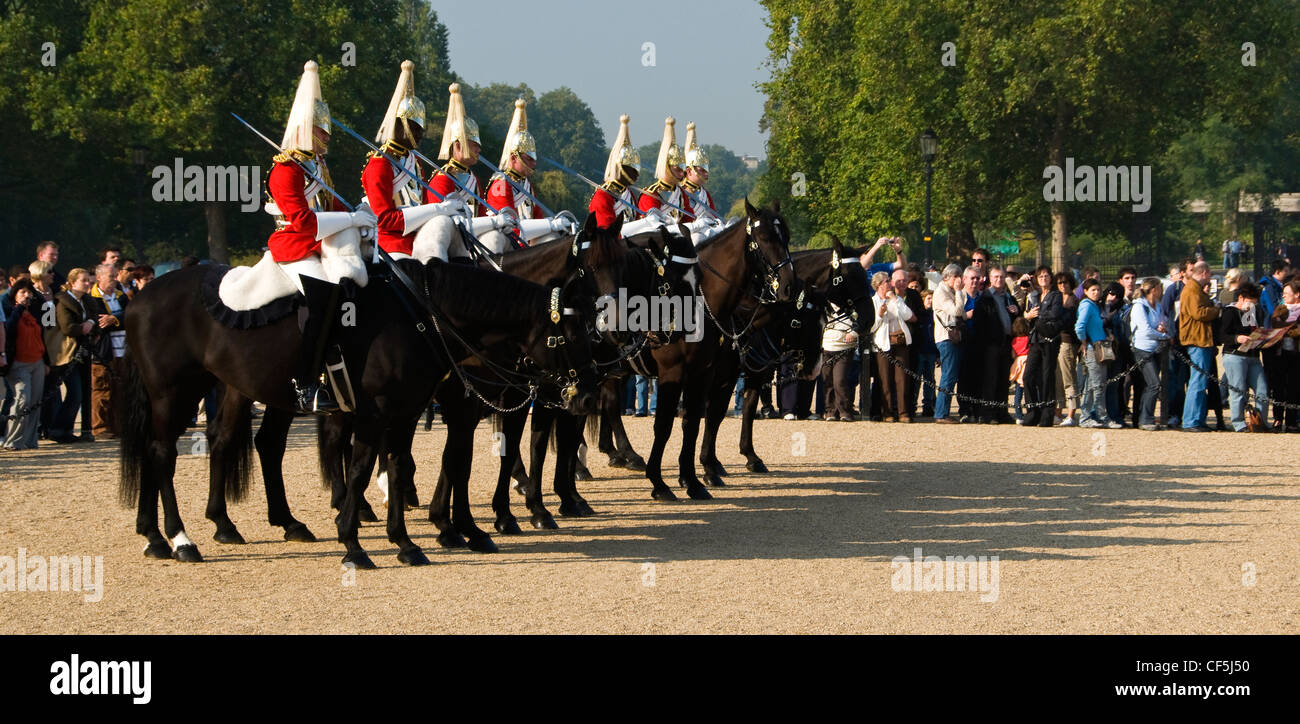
(593, 427)
(236, 455)
(333, 435)
(136, 425)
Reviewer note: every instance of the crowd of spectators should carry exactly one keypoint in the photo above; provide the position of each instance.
(983, 344)
(61, 347)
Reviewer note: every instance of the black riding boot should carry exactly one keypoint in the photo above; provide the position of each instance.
(322, 301)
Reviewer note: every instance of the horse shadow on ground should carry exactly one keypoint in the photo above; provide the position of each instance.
(823, 510)
(877, 511)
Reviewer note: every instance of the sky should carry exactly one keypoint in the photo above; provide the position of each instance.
(708, 56)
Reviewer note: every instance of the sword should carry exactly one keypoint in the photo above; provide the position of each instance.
(481, 249)
(589, 182)
(392, 264)
(494, 169)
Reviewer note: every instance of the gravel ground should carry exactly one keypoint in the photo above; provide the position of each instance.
(1094, 532)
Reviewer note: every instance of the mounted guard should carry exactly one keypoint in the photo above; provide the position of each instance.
(697, 174)
(510, 188)
(614, 199)
(405, 224)
(309, 222)
(460, 149)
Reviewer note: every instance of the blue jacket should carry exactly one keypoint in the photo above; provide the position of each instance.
(1269, 297)
(1143, 321)
(1088, 327)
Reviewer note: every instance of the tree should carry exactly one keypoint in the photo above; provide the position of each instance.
(173, 87)
(854, 84)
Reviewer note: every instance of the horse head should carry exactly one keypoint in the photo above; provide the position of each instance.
(768, 246)
(561, 348)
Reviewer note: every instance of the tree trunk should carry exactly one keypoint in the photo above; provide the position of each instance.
(1056, 157)
(961, 242)
(216, 216)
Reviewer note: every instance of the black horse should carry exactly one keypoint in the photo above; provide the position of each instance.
(830, 275)
(178, 352)
(749, 260)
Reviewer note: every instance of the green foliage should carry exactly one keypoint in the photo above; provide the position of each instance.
(854, 84)
(166, 74)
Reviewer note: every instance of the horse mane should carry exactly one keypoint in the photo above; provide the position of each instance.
(605, 249)
(483, 293)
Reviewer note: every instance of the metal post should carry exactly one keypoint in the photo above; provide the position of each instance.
(929, 258)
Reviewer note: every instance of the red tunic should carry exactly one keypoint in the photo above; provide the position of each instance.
(602, 205)
(448, 189)
(653, 199)
(296, 237)
(377, 180)
(501, 195)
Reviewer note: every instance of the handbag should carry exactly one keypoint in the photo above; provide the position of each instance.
(1104, 350)
(1254, 421)
(954, 334)
(897, 339)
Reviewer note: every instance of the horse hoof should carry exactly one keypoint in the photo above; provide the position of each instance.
(509, 526)
(451, 539)
(518, 487)
(412, 501)
(188, 553)
(617, 461)
(544, 521)
(663, 493)
(359, 559)
(714, 480)
(697, 491)
(367, 514)
(413, 557)
(582, 473)
(231, 536)
(634, 462)
(756, 466)
(160, 551)
(575, 510)
(585, 508)
(483, 544)
(298, 533)
(715, 468)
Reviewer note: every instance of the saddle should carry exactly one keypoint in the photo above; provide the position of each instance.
(247, 297)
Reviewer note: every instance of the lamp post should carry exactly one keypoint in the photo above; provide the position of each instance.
(929, 148)
(139, 159)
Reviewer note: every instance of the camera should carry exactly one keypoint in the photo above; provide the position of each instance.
(1026, 284)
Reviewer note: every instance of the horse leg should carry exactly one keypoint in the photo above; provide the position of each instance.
(613, 426)
(365, 446)
(224, 439)
(512, 429)
(719, 400)
(665, 414)
(753, 463)
(401, 478)
(272, 436)
(696, 394)
(568, 430)
(543, 420)
(610, 408)
(457, 462)
(169, 419)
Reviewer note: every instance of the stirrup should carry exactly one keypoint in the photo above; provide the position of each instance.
(314, 399)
